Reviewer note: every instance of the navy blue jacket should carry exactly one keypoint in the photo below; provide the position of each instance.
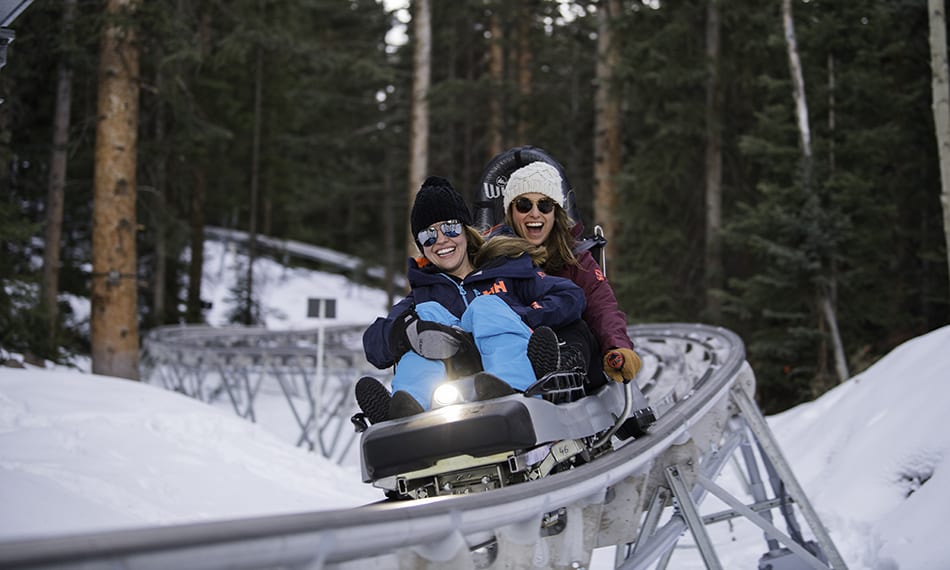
(538, 298)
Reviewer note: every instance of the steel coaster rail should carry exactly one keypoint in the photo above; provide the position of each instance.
(438, 532)
(232, 363)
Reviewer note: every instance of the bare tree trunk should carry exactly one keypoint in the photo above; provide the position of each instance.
(196, 220)
(828, 308)
(389, 230)
(798, 80)
(830, 300)
(525, 57)
(471, 163)
(268, 225)
(449, 142)
(114, 320)
(831, 113)
(941, 105)
(197, 225)
(161, 239)
(607, 128)
(713, 261)
(421, 78)
(57, 184)
(496, 71)
(249, 313)
(824, 296)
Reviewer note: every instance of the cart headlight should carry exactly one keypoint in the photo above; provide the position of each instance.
(447, 394)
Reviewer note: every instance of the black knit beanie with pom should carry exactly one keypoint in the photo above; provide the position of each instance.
(437, 201)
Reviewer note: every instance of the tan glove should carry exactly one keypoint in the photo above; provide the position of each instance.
(621, 364)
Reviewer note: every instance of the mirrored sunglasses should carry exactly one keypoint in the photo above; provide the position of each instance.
(524, 205)
(450, 228)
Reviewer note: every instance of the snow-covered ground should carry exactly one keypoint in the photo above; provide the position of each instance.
(873, 456)
(80, 452)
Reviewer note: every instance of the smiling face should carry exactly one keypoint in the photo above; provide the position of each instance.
(533, 225)
(449, 253)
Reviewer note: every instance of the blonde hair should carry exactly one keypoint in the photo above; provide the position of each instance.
(559, 246)
(474, 242)
(509, 246)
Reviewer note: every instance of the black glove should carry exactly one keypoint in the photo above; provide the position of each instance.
(398, 340)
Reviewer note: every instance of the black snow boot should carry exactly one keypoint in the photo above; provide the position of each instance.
(489, 386)
(572, 359)
(544, 352)
(403, 405)
(373, 398)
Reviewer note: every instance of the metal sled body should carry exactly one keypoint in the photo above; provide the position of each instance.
(480, 445)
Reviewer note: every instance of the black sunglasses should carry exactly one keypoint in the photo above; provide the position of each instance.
(450, 228)
(524, 205)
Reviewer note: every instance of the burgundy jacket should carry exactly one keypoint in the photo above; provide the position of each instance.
(603, 314)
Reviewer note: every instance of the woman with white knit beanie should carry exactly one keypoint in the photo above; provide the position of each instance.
(534, 209)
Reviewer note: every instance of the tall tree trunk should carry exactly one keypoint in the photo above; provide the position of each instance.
(160, 270)
(472, 162)
(607, 128)
(496, 72)
(196, 216)
(389, 230)
(449, 143)
(798, 82)
(525, 56)
(824, 296)
(249, 313)
(830, 300)
(941, 106)
(57, 184)
(114, 324)
(831, 114)
(196, 221)
(419, 131)
(713, 258)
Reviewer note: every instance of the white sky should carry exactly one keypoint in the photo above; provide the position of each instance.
(80, 452)
(397, 35)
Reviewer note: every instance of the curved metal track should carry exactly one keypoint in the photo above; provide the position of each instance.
(693, 375)
(313, 369)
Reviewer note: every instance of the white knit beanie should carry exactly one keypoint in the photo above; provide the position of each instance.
(539, 177)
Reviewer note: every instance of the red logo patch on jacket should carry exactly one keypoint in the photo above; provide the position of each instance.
(498, 287)
(598, 274)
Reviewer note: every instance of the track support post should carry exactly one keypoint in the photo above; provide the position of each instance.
(770, 448)
(689, 512)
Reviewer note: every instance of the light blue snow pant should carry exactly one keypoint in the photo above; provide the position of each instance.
(500, 335)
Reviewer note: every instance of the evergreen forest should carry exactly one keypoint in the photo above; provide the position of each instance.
(292, 119)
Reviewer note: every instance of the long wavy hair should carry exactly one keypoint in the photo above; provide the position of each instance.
(474, 242)
(509, 246)
(560, 243)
